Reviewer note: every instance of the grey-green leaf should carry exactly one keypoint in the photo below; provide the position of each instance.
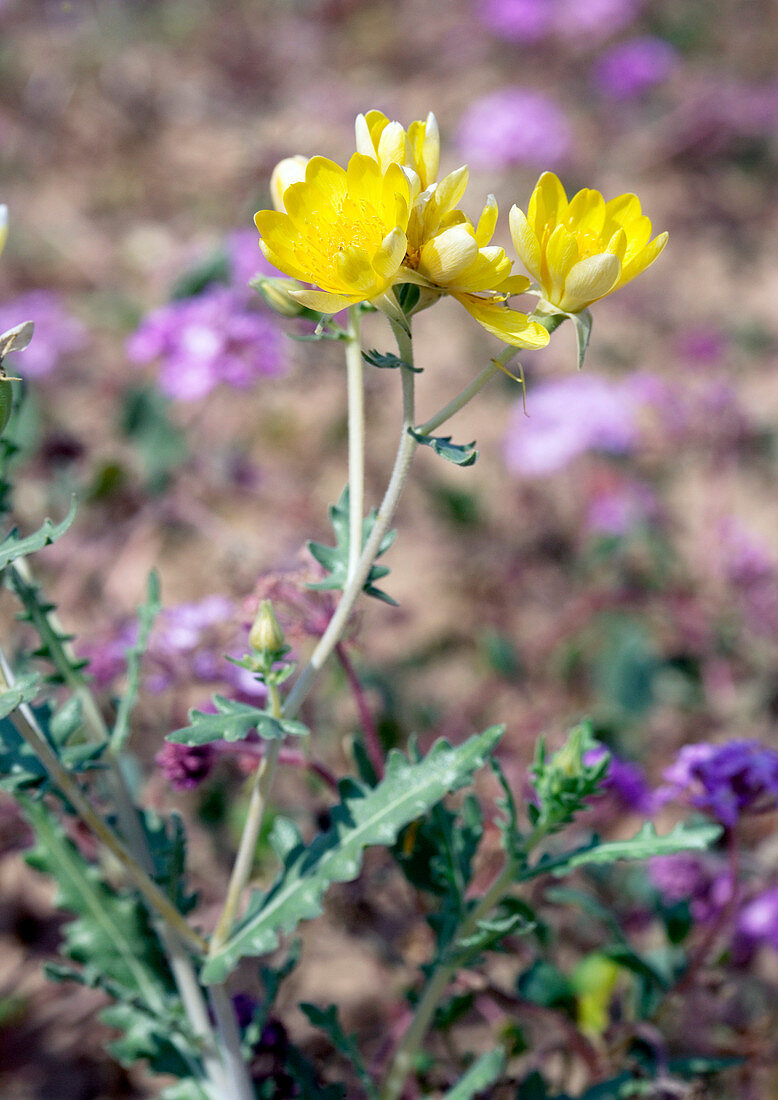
(387, 359)
(233, 722)
(365, 817)
(643, 845)
(583, 330)
(14, 547)
(147, 614)
(483, 1073)
(461, 454)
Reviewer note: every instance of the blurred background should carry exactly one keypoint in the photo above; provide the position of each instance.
(614, 552)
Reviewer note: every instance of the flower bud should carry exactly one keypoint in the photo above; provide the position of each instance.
(276, 293)
(287, 171)
(266, 634)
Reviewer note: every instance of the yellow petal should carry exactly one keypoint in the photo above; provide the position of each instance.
(364, 180)
(618, 244)
(586, 211)
(364, 140)
(487, 222)
(287, 171)
(356, 272)
(623, 209)
(561, 254)
(448, 254)
(390, 255)
(327, 178)
(322, 302)
(643, 259)
(506, 324)
(430, 151)
(589, 280)
(451, 189)
(525, 242)
(514, 284)
(547, 204)
(392, 145)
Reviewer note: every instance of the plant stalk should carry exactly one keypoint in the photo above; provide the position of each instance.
(356, 438)
(263, 781)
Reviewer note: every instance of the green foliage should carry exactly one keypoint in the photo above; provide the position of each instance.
(564, 781)
(326, 1020)
(461, 454)
(38, 612)
(145, 420)
(508, 824)
(335, 558)
(365, 817)
(115, 949)
(233, 722)
(147, 614)
(387, 360)
(645, 844)
(214, 268)
(483, 1073)
(20, 768)
(13, 547)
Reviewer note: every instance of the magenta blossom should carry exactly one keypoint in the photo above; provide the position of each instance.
(515, 126)
(213, 338)
(724, 781)
(632, 68)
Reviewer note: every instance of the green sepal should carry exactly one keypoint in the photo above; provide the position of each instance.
(335, 558)
(481, 1075)
(461, 454)
(13, 547)
(365, 817)
(233, 722)
(387, 360)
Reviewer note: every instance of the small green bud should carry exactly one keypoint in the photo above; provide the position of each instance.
(266, 635)
(277, 296)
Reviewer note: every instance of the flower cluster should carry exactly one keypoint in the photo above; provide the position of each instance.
(387, 220)
(726, 780)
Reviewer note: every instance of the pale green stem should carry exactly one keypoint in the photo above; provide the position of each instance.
(351, 592)
(263, 781)
(239, 1086)
(356, 438)
(466, 395)
(405, 1055)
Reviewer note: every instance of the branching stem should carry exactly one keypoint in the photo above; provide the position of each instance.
(356, 438)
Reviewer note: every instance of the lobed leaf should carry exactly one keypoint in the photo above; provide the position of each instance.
(365, 817)
(233, 722)
(461, 454)
(335, 558)
(386, 359)
(645, 844)
(326, 1020)
(147, 614)
(13, 547)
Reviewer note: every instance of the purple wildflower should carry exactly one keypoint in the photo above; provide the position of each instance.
(724, 780)
(748, 566)
(108, 657)
(632, 68)
(211, 338)
(181, 628)
(624, 780)
(620, 509)
(57, 333)
(700, 881)
(246, 259)
(517, 20)
(596, 19)
(758, 919)
(568, 417)
(515, 126)
(185, 766)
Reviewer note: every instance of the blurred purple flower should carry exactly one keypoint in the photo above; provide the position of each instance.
(758, 919)
(685, 877)
(246, 259)
(185, 766)
(180, 629)
(702, 345)
(517, 20)
(211, 338)
(724, 780)
(631, 68)
(595, 18)
(749, 567)
(621, 509)
(568, 417)
(108, 657)
(515, 126)
(624, 780)
(57, 333)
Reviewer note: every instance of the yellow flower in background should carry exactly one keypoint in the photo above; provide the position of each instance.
(459, 260)
(3, 226)
(341, 229)
(387, 142)
(583, 249)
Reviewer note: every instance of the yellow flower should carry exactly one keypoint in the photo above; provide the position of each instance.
(387, 142)
(459, 260)
(583, 249)
(3, 226)
(341, 229)
(288, 171)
